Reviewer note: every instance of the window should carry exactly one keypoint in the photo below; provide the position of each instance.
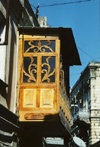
(39, 58)
(38, 81)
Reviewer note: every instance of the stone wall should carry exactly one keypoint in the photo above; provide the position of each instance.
(95, 104)
(90, 82)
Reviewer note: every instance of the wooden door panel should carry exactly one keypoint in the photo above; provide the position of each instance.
(47, 98)
(36, 99)
(29, 98)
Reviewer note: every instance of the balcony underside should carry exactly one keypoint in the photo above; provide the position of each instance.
(53, 128)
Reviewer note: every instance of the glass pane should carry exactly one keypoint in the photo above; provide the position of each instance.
(30, 69)
(30, 46)
(48, 46)
(48, 69)
(39, 46)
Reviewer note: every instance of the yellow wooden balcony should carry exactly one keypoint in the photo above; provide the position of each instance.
(45, 55)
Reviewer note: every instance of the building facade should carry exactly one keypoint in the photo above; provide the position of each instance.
(13, 13)
(85, 104)
(45, 108)
(20, 14)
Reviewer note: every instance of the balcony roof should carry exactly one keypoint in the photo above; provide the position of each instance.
(69, 50)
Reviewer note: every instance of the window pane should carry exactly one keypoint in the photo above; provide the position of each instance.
(30, 46)
(48, 46)
(39, 46)
(30, 69)
(48, 69)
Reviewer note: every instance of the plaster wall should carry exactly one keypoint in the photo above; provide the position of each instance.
(11, 65)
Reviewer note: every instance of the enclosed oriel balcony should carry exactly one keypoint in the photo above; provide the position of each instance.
(45, 55)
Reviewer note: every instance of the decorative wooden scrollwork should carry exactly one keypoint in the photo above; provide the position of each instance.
(32, 69)
(46, 70)
(39, 46)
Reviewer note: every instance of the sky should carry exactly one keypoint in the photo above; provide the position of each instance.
(84, 19)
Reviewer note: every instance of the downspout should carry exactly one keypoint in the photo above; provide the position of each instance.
(7, 24)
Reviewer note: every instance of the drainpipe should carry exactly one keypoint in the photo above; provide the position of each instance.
(7, 24)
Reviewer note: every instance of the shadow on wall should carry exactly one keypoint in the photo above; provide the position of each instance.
(32, 133)
(3, 91)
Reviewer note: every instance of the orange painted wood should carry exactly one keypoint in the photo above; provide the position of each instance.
(36, 101)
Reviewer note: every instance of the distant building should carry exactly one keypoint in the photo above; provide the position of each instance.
(42, 21)
(85, 104)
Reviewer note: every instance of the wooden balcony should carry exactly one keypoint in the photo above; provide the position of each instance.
(45, 55)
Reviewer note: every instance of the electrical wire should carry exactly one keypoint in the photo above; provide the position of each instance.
(65, 3)
(85, 53)
(33, 6)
